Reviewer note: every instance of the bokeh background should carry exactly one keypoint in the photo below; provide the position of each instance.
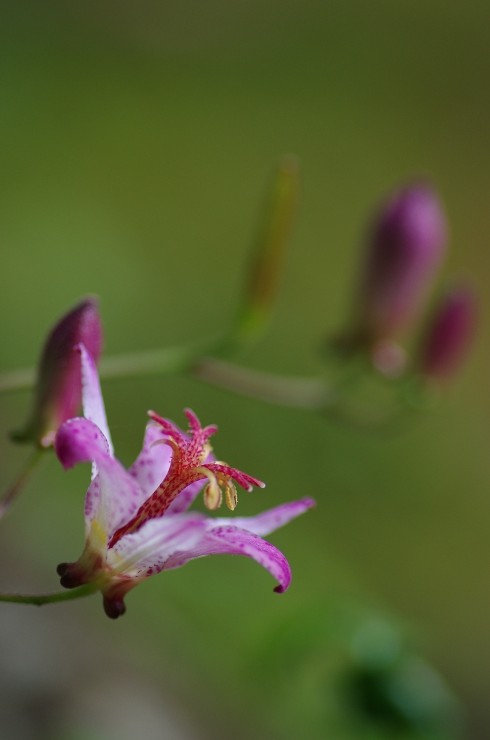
(137, 143)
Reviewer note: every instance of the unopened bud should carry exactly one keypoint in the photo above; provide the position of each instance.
(449, 335)
(405, 249)
(58, 386)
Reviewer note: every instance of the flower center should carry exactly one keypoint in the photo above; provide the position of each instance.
(188, 465)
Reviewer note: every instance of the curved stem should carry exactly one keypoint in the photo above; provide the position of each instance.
(130, 364)
(156, 361)
(13, 491)
(296, 392)
(41, 599)
(309, 393)
(299, 392)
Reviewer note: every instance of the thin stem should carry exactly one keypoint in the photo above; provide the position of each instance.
(296, 392)
(131, 364)
(17, 380)
(300, 392)
(262, 277)
(277, 389)
(156, 361)
(14, 490)
(306, 393)
(40, 599)
(309, 393)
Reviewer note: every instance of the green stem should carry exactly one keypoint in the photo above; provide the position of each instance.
(296, 392)
(277, 389)
(305, 393)
(40, 599)
(131, 364)
(11, 494)
(17, 380)
(309, 393)
(156, 361)
(262, 277)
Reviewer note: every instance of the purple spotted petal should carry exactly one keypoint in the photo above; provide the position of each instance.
(152, 464)
(229, 540)
(80, 440)
(270, 520)
(92, 401)
(146, 552)
(114, 495)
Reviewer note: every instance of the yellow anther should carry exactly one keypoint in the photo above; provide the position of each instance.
(212, 495)
(231, 495)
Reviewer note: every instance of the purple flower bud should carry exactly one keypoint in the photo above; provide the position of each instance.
(58, 387)
(405, 249)
(449, 335)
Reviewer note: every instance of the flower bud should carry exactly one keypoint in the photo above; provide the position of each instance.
(405, 248)
(58, 385)
(449, 335)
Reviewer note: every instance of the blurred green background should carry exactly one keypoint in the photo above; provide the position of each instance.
(137, 143)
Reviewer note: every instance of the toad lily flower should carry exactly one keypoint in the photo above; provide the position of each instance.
(137, 520)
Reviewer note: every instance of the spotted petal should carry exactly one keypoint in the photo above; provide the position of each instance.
(145, 552)
(269, 520)
(152, 464)
(114, 492)
(230, 540)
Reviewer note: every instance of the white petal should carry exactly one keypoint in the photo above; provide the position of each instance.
(270, 520)
(146, 551)
(92, 401)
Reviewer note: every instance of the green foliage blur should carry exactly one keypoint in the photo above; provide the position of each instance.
(137, 143)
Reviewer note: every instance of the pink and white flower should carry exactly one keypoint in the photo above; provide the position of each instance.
(137, 521)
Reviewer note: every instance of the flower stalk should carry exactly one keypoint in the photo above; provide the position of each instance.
(53, 598)
(168, 360)
(301, 392)
(17, 486)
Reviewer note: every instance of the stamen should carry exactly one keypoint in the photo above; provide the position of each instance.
(231, 495)
(212, 496)
(212, 493)
(188, 465)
